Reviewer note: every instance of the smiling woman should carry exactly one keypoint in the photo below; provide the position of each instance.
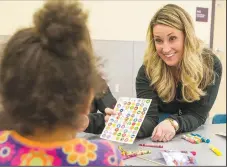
(169, 44)
(179, 74)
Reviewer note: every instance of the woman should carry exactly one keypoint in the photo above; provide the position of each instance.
(179, 74)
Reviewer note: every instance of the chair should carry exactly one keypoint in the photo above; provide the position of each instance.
(219, 119)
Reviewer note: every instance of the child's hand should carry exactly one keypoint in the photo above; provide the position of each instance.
(109, 112)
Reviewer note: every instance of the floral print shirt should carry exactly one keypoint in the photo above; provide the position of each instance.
(16, 150)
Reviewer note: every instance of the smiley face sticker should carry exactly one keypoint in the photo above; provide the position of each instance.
(134, 120)
(134, 132)
(136, 128)
(111, 120)
(133, 136)
(148, 101)
(124, 126)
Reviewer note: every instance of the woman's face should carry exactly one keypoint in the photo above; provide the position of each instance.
(169, 44)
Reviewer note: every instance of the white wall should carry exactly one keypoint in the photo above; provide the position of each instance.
(109, 20)
(16, 14)
(128, 20)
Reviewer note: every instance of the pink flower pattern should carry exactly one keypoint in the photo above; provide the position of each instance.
(7, 152)
(16, 150)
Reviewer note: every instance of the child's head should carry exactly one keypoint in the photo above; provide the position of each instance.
(48, 72)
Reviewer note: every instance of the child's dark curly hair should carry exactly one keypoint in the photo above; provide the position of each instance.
(48, 71)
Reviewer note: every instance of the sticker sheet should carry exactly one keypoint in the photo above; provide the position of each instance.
(124, 126)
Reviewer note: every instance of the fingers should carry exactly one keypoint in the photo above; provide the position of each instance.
(170, 137)
(107, 117)
(158, 134)
(154, 132)
(167, 137)
(108, 112)
(162, 137)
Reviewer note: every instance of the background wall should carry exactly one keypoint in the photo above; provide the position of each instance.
(118, 30)
(128, 20)
(109, 20)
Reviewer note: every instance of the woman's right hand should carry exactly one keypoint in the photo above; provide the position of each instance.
(109, 112)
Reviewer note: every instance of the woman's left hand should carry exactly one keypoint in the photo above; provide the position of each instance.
(163, 132)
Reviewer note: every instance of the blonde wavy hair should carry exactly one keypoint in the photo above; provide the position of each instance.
(196, 66)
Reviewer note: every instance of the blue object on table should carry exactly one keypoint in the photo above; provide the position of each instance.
(219, 119)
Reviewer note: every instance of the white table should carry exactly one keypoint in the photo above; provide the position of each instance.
(204, 155)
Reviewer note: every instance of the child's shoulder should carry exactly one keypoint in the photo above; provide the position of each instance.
(102, 143)
(97, 145)
(4, 136)
(101, 152)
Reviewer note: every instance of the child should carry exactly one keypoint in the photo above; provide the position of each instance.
(48, 79)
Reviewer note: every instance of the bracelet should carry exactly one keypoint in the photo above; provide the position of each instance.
(173, 123)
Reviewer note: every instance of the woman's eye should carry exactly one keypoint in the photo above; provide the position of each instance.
(172, 38)
(158, 40)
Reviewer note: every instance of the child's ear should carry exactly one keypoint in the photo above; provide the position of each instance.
(82, 123)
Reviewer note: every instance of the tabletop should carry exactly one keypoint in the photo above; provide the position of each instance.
(204, 156)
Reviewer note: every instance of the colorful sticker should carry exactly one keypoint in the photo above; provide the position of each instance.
(124, 126)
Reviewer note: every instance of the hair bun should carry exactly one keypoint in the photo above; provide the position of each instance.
(61, 20)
